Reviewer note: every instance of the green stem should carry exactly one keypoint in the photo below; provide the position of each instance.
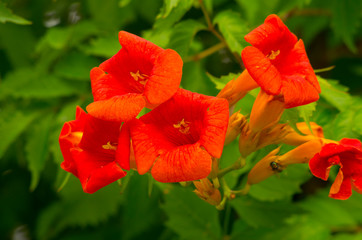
(240, 163)
(205, 53)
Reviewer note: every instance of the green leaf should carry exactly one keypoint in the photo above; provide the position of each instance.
(263, 214)
(306, 112)
(27, 83)
(334, 93)
(136, 204)
(171, 12)
(75, 66)
(346, 20)
(6, 15)
(12, 123)
(327, 210)
(37, 148)
(190, 217)
(78, 209)
(102, 46)
(223, 80)
(233, 28)
(183, 34)
(281, 186)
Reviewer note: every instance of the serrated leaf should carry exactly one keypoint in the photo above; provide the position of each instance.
(136, 204)
(183, 34)
(306, 112)
(78, 209)
(281, 186)
(27, 83)
(261, 214)
(346, 20)
(233, 28)
(12, 123)
(6, 15)
(190, 217)
(75, 66)
(37, 148)
(223, 80)
(334, 93)
(102, 46)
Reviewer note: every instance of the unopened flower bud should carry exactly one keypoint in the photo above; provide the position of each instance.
(236, 89)
(301, 154)
(207, 192)
(266, 111)
(266, 167)
(295, 139)
(236, 123)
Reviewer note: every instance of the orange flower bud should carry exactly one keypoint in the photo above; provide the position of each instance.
(266, 111)
(301, 154)
(295, 139)
(238, 88)
(266, 167)
(207, 192)
(236, 123)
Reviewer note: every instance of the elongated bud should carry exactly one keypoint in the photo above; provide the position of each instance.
(238, 88)
(295, 139)
(301, 154)
(236, 123)
(266, 167)
(266, 111)
(207, 192)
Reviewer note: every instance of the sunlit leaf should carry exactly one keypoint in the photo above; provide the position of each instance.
(6, 15)
(334, 93)
(223, 80)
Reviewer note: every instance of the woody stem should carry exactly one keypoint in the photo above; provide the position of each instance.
(205, 53)
(212, 29)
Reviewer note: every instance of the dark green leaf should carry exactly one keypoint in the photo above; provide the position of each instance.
(183, 34)
(171, 12)
(12, 123)
(6, 15)
(346, 20)
(37, 148)
(233, 28)
(190, 217)
(103, 46)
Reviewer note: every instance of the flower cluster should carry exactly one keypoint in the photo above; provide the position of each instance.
(182, 135)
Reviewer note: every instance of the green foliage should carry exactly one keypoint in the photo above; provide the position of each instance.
(201, 222)
(6, 15)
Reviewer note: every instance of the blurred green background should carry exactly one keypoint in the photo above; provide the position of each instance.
(47, 49)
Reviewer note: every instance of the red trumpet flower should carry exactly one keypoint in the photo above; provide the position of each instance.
(277, 61)
(140, 74)
(179, 138)
(89, 148)
(348, 155)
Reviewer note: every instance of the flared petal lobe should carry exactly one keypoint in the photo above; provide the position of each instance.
(178, 138)
(277, 61)
(141, 72)
(347, 154)
(89, 148)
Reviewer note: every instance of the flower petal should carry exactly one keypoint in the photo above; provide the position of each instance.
(357, 183)
(262, 70)
(118, 108)
(345, 189)
(96, 170)
(184, 163)
(319, 166)
(165, 77)
(123, 148)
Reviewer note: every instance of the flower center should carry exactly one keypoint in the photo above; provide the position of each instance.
(183, 126)
(110, 146)
(273, 54)
(140, 77)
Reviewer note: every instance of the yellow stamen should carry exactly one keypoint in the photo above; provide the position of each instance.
(272, 55)
(139, 77)
(109, 146)
(183, 126)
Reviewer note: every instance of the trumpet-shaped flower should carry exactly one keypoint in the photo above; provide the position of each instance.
(179, 138)
(89, 148)
(141, 74)
(348, 155)
(277, 61)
